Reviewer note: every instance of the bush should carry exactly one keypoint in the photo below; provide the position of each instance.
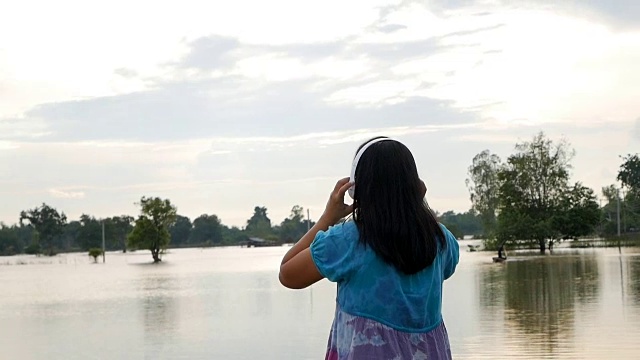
(95, 252)
(33, 249)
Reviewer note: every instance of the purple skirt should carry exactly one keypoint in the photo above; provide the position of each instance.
(355, 337)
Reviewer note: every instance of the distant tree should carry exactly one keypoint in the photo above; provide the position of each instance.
(294, 227)
(90, 233)
(48, 223)
(26, 235)
(259, 224)
(207, 230)
(629, 176)
(484, 188)
(151, 230)
(533, 183)
(117, 229)
(610, 193)
(629, 173)
(468, 223)
(70, 236)
(577, 215)
(9, 241)
(180, 231)
(94, 253)
(232, 235)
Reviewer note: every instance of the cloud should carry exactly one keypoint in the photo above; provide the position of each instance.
(210, 52)
(389, 28)
(126, 73)
(226, 107)
(57, 193)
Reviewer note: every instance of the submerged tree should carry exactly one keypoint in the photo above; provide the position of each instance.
(536, 201)
(94, 253)
(629, 176)
(151, 229)
(484, 189)
(48, 223)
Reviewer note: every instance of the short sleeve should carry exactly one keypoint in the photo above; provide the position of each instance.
(333, 251)
(452, 253)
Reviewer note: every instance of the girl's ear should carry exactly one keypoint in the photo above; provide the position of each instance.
(423, 188)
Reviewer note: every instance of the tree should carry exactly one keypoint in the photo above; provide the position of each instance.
(70, 235)
(90, 233)
(232, 235)
(9, 241)
(151, 229)
(259, 224)
(484, 189)
(295, 226)
(629, 173)
(610, 210)
(48, 223)
(117, 228)
(578, 213)
(180, 230)
(207, 229)
(467, 223)
(533, 183)
(629, 176)
(94, 253)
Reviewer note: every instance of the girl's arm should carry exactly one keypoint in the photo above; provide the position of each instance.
(297, 270)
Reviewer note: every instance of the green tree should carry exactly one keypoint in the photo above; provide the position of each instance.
(10, 243)
(116, 230)
(467, 223)
(295, 226)
(70, 235)
(207, 230)
(151, 229)
(608, 216)
(578, 213)
(90, 233)
(259, 224)
(533, 183)
(48, 224)
(180, 231)
(94, 253)
(629, 173)
(233, 235)
(484, 188)
(629, 176)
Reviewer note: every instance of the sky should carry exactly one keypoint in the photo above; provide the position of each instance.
(224, 106)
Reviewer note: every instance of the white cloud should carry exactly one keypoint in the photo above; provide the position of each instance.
(65, 194)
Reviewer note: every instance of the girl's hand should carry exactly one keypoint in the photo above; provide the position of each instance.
(336, 209)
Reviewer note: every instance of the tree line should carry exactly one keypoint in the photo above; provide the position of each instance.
(47, 231)
(529, 199)
(525, 200)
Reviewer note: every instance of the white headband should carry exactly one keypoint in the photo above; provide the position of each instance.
(354, 165)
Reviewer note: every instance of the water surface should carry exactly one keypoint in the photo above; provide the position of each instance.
(226, 303)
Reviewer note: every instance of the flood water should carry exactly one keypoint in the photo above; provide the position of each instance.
(227, 303)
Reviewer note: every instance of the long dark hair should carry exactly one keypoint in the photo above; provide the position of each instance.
(389, 208)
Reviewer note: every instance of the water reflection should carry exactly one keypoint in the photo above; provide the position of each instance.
(538, 297)
(158, 306)
(228, 304)
(634, 278)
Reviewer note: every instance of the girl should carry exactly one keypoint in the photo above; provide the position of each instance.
(389, 260)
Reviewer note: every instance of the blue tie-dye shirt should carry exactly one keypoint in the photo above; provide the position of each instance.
(371, 288)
